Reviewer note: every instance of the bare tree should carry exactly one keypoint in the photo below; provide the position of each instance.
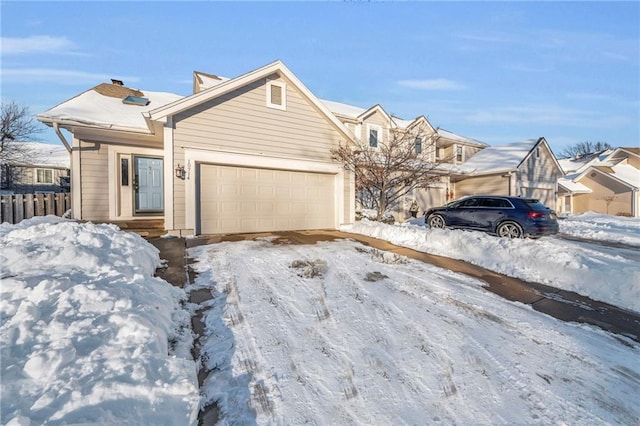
(399, 164)
(16, 126)
(584, 148)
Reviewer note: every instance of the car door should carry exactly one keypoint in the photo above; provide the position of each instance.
(489, 212)
(463, 214)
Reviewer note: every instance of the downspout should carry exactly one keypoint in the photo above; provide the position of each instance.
(61, 136)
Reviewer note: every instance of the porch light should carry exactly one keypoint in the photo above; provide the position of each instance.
(181, 173)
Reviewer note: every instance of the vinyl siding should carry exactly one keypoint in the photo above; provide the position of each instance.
(537, 177)
(608, 196)
(95, 181)
(492, 184)
(241, 122)
(22, 180)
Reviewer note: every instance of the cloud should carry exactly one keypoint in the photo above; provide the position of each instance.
(36, 44)
(32, 75)
(547, 115)
(432, 84)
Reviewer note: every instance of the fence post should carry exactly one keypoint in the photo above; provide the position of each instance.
(39, 204)
(49, 206)
(28, 206)
(59, 197)
(18, 213)
(7, 208)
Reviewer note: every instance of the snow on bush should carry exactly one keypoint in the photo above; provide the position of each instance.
(86, 329)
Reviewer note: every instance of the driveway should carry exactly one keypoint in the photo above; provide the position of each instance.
(561, 304)
(347, 332)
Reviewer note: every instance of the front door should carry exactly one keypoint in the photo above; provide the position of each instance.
(148, 185)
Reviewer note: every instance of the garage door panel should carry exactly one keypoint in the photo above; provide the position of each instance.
(238, 199)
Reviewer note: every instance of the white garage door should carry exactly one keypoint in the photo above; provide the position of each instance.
(240, 199)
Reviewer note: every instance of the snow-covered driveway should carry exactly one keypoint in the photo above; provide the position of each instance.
(337, 333)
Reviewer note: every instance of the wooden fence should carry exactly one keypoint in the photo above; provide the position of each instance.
(16, 207)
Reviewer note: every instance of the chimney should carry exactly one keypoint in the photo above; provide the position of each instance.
(117, 82)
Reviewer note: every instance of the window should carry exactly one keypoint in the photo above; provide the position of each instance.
(373, 138)
(418, 144)
(538, 152)
(135, 100)
(439, 153)
(277, 95)
(124, 171)
(374, 134)
(44, 176)
(459, 153)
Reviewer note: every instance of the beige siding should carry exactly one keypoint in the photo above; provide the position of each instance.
(493, 184)
(538, 177)
(349, 197)
(95, 181)
(179, 190)
(241, 122)
(539, 168)
(608, 196)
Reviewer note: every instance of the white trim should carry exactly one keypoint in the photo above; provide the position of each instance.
(283, 86)
(76, 180)
(114, 169)
(169, 178)
(197, 157)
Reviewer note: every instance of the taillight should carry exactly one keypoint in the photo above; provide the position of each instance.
(536, 215)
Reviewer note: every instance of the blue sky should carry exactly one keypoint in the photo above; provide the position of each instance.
(495, 71)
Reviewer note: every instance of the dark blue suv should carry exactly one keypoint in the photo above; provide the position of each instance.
(512, 217)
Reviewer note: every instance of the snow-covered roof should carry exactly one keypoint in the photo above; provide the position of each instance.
(202, 81)
(625, 173)
(574, 187)
(495, 159)
(577, 164)
(345, 110)
(96, 109)
(353, 112)
(455, 137)
(42, 154)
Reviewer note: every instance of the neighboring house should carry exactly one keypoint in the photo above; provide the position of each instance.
(374, 125)
(247, 154)
(607, 182)
(526, 169)
(35, 168)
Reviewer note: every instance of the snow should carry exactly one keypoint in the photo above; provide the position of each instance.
(573, 187)
(627, 174)
(603, 227)
(43, 154)
(611, 276)
(330, 333)
(92, 108)
(339, 333)
(86, 329)
(499, 158)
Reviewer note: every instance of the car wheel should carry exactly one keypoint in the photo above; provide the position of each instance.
(509, 230)
(436, 221)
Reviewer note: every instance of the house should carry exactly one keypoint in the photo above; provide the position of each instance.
(526, 169)
(34, 168)
(247, 154)
(374, 125)
(607, 182)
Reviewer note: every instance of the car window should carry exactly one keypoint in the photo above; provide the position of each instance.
(470, 202)
(535, 205)
(492, 202)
